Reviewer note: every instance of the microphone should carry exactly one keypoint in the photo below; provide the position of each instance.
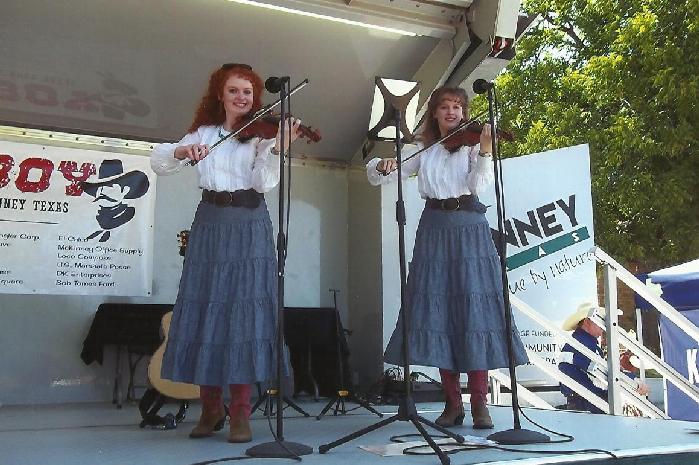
(481, 86)
(274, 84)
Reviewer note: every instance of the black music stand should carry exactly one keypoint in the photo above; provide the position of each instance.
(343, 394)
(393, 113)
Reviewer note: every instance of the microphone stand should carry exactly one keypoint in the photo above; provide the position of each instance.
(516, 435)
(406, 408)
(279, 448)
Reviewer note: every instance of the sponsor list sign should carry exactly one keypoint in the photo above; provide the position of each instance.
(75, 221)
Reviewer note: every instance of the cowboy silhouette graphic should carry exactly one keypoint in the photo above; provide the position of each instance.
(110, 191)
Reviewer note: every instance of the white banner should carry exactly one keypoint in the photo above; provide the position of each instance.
(59, 235)
(549, 232)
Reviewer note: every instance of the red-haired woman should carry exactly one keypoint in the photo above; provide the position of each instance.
(224, 320)
(454, 290)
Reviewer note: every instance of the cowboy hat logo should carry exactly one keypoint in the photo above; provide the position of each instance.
(111, 189)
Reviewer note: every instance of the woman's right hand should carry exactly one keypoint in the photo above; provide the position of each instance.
(387, 165)
(194, 152)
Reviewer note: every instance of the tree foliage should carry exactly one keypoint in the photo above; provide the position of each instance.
(623, 77)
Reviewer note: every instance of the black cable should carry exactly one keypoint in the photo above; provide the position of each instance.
(416, 374)
(225, 459)
(569, 437)
(456, 447)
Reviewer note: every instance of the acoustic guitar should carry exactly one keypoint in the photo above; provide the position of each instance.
(173, 389)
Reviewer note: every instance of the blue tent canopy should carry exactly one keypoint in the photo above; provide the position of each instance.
(680, 286)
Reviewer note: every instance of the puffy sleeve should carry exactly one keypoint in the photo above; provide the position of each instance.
(408, 169)
(265, 168)
(480, 171)
(162, 158)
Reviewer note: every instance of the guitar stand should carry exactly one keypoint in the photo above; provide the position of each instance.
(269, 399)
(149, 405)
(339, 401)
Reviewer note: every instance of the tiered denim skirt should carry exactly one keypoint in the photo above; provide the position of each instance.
(224, 323)
(454, 294)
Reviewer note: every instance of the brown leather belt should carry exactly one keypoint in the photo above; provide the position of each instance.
(465, 202)
(248, 198)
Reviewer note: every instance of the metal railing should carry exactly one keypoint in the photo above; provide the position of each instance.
(613, 271)
(622, 390)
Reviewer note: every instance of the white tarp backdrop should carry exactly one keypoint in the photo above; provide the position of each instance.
(60, 236)
(549, 233)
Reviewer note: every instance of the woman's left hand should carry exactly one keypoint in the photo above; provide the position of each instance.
(291, 133)
(486, 139)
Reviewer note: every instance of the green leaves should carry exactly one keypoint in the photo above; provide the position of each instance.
(622, 76)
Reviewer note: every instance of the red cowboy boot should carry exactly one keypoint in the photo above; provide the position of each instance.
(213, 415)
(240, 413)
(453, 413)
(478, 387)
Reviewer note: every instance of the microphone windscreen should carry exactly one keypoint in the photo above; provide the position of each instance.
(273, 84)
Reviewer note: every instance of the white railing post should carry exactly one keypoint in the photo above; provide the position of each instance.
(495, 394)
(612, 323)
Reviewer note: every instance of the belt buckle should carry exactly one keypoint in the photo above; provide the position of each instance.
(223, 198)
(448, 203)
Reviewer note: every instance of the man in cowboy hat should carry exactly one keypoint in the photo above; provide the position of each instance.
(110, 190)
(576, 365)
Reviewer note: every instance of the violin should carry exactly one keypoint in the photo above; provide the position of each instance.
(470, 136)
(264, 128)
(267, 128)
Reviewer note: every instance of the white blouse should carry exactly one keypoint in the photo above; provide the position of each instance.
(229, 167)
(440, 174)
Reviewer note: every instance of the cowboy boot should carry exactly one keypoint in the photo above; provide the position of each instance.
(240, 413)
(478, 387)
(213, 415)
(453, 413)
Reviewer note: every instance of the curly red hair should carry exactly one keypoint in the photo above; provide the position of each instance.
(210, 111)
(430, 131)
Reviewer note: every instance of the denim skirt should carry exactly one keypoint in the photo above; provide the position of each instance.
(454, 297)
(224, 323)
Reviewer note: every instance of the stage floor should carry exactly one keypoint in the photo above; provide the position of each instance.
(99, 434)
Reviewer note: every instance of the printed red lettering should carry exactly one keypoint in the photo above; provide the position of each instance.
(24, 184)
(6, 164)
(82, 101)
(69, 168)
(40, 94)
(8, 91)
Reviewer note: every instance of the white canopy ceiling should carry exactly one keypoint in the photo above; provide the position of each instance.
(137, 69)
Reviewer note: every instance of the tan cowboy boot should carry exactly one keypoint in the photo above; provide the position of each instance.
(478, 387)
(240, 412)
(240, 427)
(453, 413)
(481, 416)
(213, 415)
